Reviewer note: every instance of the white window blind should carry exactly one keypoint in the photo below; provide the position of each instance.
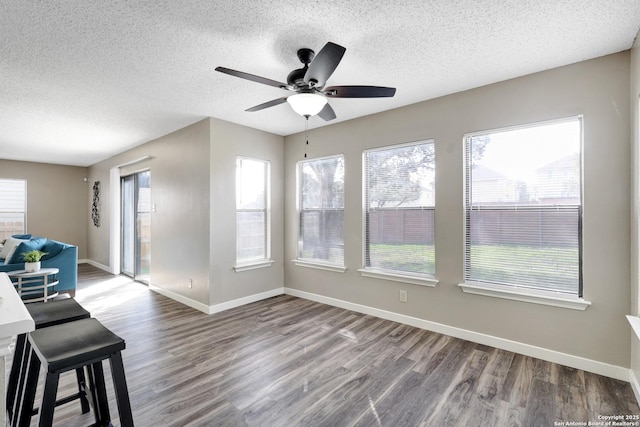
(399, 209)
(524, 207)
(321, 210)
(13, 207)
(252, 210)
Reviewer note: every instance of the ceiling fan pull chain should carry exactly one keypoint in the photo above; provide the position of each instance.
(306, 134)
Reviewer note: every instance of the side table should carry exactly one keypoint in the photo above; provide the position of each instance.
(41, 283)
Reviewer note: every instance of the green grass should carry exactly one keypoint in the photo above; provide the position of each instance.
(534, 266)
(506, 264)
(412, 258)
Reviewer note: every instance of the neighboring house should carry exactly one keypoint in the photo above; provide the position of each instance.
(491, 187)
(560, 169)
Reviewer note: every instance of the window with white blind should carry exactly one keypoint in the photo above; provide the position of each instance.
(13, 207)
(524, 208)
(399, 211)
(321, 211)
(252, 211)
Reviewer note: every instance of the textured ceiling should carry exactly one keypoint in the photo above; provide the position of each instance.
(81, 80)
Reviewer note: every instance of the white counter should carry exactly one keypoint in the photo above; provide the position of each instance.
(14, 320)
(14, 317)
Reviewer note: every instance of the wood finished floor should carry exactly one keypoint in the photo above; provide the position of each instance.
(287, 361)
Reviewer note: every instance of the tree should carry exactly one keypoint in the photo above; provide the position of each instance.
(396, 176)
(478, 144)
(321, 205)
(323, 183)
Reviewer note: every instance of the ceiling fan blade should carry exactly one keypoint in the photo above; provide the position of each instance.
(327, 113)
(324, 64)
(271, 103)
(252, 77)
(359, 92)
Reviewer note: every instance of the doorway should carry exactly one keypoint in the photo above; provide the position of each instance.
(135, 190)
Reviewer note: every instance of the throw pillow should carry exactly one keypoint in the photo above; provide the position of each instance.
(7, 260)
(52, 249)
(35, 244)
(10, 244)
(22, 236)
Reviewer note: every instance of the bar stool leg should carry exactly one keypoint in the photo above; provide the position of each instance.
(22, 377)
(24, 410)
(15, 374)
(99, 394)
(94, 396)
(45, 415)
(82, 390)
(120, 387)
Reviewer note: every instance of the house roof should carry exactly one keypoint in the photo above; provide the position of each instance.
(483, 173)
(81, 81)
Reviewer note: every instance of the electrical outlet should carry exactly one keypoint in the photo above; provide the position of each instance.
(190, 284)
(403, 296)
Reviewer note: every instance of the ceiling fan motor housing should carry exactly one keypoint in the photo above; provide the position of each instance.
(306, 55)
(296, 77)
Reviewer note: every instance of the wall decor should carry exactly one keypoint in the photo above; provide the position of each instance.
(95, 206)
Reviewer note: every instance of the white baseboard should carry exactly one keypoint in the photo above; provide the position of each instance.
(181, 299)
(211, 309)
(96, 264)
(245, 300)
(635, 385)
(565, 359)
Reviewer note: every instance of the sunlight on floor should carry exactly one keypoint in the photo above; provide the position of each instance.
(91, 294)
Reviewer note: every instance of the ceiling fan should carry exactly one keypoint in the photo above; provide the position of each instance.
(308, 83)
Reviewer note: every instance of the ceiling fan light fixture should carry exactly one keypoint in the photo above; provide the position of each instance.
(307, 104)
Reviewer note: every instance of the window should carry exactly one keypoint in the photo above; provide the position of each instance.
(13, 207)
(321, 210)
(523, 208)
(399, 209)
(252, 211)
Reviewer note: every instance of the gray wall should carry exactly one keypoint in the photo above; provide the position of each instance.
(98, 237)
(598, 89)
(635, 201)
(179, 164)
(58, 206)
(228, 141)
(193, 228)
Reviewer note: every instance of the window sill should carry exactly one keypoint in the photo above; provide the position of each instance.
(414, 279)
(526, 295)
(252, 266)
(320, 265)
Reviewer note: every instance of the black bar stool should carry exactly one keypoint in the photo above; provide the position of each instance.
(69, 346)
(53, 312)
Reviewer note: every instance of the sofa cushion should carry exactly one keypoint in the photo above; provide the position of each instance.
(8, 247)
(22, 236)
(35, 244)
(52, 248)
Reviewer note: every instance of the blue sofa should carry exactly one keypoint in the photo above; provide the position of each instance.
(59, 255)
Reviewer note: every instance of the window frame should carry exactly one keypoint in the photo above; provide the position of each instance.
(24, 211)
(338, 267)
(519, 292)
(266, 261)
(415, 278)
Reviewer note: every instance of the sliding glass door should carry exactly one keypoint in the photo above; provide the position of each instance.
(136, 225)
